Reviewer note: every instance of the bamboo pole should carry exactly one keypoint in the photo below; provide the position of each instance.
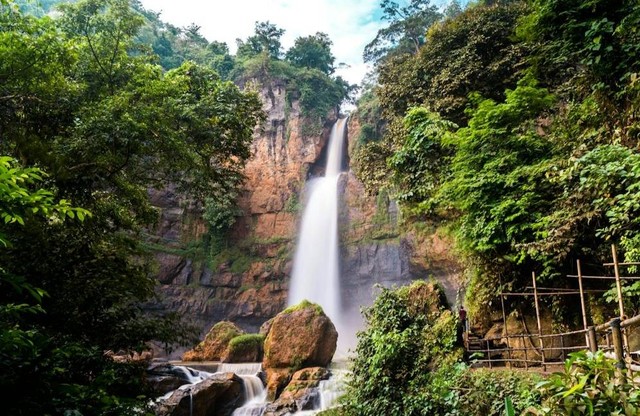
(506, 331)
(616, 334)
(591, 339)
(535, 297)
(616, 270)
(584, 309)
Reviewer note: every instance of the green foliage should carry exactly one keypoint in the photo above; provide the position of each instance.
(497, 178)
(408, 337)
(17, 201)
(508, 407)
(588, 385)
(486, 392)
(305, 73)
(312, 52)
(82, 100)
(420, 164)
(473, 52)
(369, 116)
(589, 44)
(408, 363)
(266, 39)
(370, 164)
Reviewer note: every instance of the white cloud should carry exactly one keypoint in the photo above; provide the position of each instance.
(349, 23)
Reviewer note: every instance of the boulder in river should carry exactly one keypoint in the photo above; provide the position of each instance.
(301, 336)
(247, 348)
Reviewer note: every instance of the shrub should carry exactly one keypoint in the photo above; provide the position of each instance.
(588, 385)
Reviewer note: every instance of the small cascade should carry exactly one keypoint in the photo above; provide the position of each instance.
(241, 369)
(190, 374)
(255, 395)
(332, 389)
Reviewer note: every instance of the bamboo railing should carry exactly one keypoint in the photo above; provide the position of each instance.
(611, 337)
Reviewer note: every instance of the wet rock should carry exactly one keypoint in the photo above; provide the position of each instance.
(164, 377)
(300, 394)
(299, 337)
(215, 396)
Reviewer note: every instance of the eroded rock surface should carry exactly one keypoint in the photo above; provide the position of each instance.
(215, 396)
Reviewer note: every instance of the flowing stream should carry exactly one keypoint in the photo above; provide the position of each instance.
(316, 273)
(255, 394)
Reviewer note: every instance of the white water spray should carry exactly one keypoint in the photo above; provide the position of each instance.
(316, 275)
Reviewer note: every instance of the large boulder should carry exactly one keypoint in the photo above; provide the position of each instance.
(300, 336)
(215, 343)
(219, 395)
(246, 348)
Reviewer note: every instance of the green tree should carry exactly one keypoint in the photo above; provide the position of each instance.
(312, 52)
(266, 38)
(80, 99)
(406, 31)
(472, 53)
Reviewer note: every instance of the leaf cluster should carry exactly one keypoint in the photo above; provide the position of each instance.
(589, 385)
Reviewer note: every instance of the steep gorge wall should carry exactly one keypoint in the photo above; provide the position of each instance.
(245, 280)
(377, 248)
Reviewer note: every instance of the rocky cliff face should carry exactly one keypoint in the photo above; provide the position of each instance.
(376, 249)
(245, 279)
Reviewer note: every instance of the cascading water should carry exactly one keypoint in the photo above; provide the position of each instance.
(316, 275)
(255, 394)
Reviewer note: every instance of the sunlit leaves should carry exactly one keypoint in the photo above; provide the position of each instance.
(18, 200)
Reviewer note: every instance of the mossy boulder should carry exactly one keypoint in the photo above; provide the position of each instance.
(301, 336)
(215, 343)
(247, 348)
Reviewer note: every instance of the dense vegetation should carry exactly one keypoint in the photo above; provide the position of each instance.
(100, 102)
(409, 362)
(514, 126)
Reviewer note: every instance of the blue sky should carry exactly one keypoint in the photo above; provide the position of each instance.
(350, 24)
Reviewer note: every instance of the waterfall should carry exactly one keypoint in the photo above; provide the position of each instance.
(316, 275)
